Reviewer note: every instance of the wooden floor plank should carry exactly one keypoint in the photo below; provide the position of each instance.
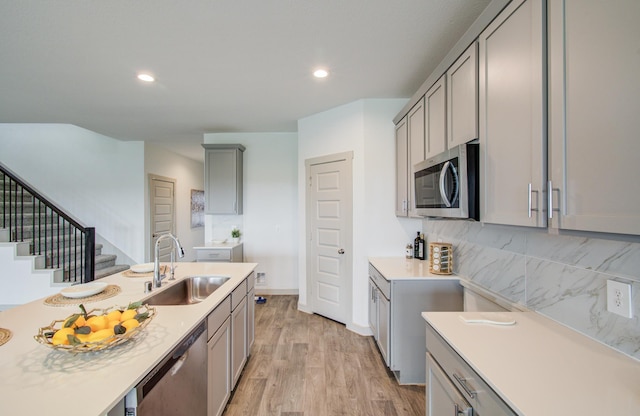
(306, 365)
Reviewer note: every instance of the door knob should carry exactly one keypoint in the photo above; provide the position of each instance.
(341, 251)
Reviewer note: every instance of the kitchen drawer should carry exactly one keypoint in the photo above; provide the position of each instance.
(218, 316)
(474, 389)
(213, 255)
(383, 284)
(238, 294)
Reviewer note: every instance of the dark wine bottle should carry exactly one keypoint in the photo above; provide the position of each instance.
(416, 246)
(421, 250)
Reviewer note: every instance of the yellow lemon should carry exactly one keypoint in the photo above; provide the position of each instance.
(112, 324)
(130, 324)
(83, 337)
(98, 322)
(60, 337)
(128, 314)
(114, 315)
(79, 321)
(100, 335)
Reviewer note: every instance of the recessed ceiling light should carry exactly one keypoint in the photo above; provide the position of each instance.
(320, 73)
(146, 77)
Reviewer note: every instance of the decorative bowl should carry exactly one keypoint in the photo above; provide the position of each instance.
(144, 312)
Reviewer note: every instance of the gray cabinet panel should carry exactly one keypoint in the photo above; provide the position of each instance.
(223, 179)
(594, 101)
(512, 116)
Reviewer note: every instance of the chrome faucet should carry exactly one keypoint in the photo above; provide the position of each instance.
(157, 279)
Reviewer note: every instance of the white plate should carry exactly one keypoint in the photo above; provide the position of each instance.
(142, 268)
(82, 291)
(219, 241)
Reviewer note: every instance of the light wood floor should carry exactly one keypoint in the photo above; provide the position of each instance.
(307, 365)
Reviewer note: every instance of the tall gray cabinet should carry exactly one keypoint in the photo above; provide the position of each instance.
(594, 106)
(512, 116)
(223, 178)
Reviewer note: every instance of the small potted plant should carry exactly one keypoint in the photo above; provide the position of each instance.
(235, 234)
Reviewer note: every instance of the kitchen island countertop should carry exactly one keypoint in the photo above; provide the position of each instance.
(36, 379)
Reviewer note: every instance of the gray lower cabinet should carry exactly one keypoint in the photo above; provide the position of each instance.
(230, 328)
(251, 307)
(395, 309)
(219, 358)
(453, 387)
(231, 253)
(238, 331)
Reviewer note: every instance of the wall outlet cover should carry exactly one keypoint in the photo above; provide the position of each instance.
(619, 298)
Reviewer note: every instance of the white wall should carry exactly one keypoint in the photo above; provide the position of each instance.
(99, 180)
(366, 128)
(189, 174)
(269, 221)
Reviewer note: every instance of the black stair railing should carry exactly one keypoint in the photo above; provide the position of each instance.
(29, 216)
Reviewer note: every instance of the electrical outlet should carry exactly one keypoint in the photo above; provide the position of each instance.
(619, 298)
(261, 278)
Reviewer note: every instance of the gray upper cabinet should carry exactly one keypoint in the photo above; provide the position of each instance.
(436, 118)
(594, 103)
(416, 131)
(462, 98)
(410, 141)
(512, 111)
(223, 178)
(402, 169)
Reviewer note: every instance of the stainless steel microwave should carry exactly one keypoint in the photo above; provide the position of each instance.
(447, 185)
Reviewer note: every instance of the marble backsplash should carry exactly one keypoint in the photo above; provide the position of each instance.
(562, 277)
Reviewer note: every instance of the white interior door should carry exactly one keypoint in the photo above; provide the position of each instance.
(329, 236)
(162, 206)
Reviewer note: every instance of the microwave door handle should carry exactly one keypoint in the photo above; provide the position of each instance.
(443, 194)
(445, 170)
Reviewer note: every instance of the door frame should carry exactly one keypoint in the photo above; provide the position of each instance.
(348, 247)
(149, 238)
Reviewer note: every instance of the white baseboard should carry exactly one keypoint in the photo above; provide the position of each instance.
(360, 330)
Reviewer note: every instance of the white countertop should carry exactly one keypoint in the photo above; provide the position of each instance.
(35, 379)
(541, 368)
(399, 268)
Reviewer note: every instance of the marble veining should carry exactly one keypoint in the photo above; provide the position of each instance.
(561, 276)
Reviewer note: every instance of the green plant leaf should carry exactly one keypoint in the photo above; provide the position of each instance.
(72, 320)
(142, 316)
(134, 305)
(85, 330)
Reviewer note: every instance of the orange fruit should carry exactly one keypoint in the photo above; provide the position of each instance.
(130, 324)
(98, 322)
(60, 337)
(128, 314)
(114, 315)
(100, 335)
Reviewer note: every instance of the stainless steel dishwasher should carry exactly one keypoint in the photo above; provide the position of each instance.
(178, 385)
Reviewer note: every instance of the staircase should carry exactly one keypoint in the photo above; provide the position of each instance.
(42, 233)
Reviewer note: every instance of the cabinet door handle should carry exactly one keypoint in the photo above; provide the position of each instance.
(463, 384)
(341, 251)
(530, 208)
(550, 192)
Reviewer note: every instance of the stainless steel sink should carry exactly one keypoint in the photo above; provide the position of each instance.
(190, 290)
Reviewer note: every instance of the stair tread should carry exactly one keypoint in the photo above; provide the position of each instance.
(111, 270)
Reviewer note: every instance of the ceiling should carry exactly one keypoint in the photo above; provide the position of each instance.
(220, 65)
